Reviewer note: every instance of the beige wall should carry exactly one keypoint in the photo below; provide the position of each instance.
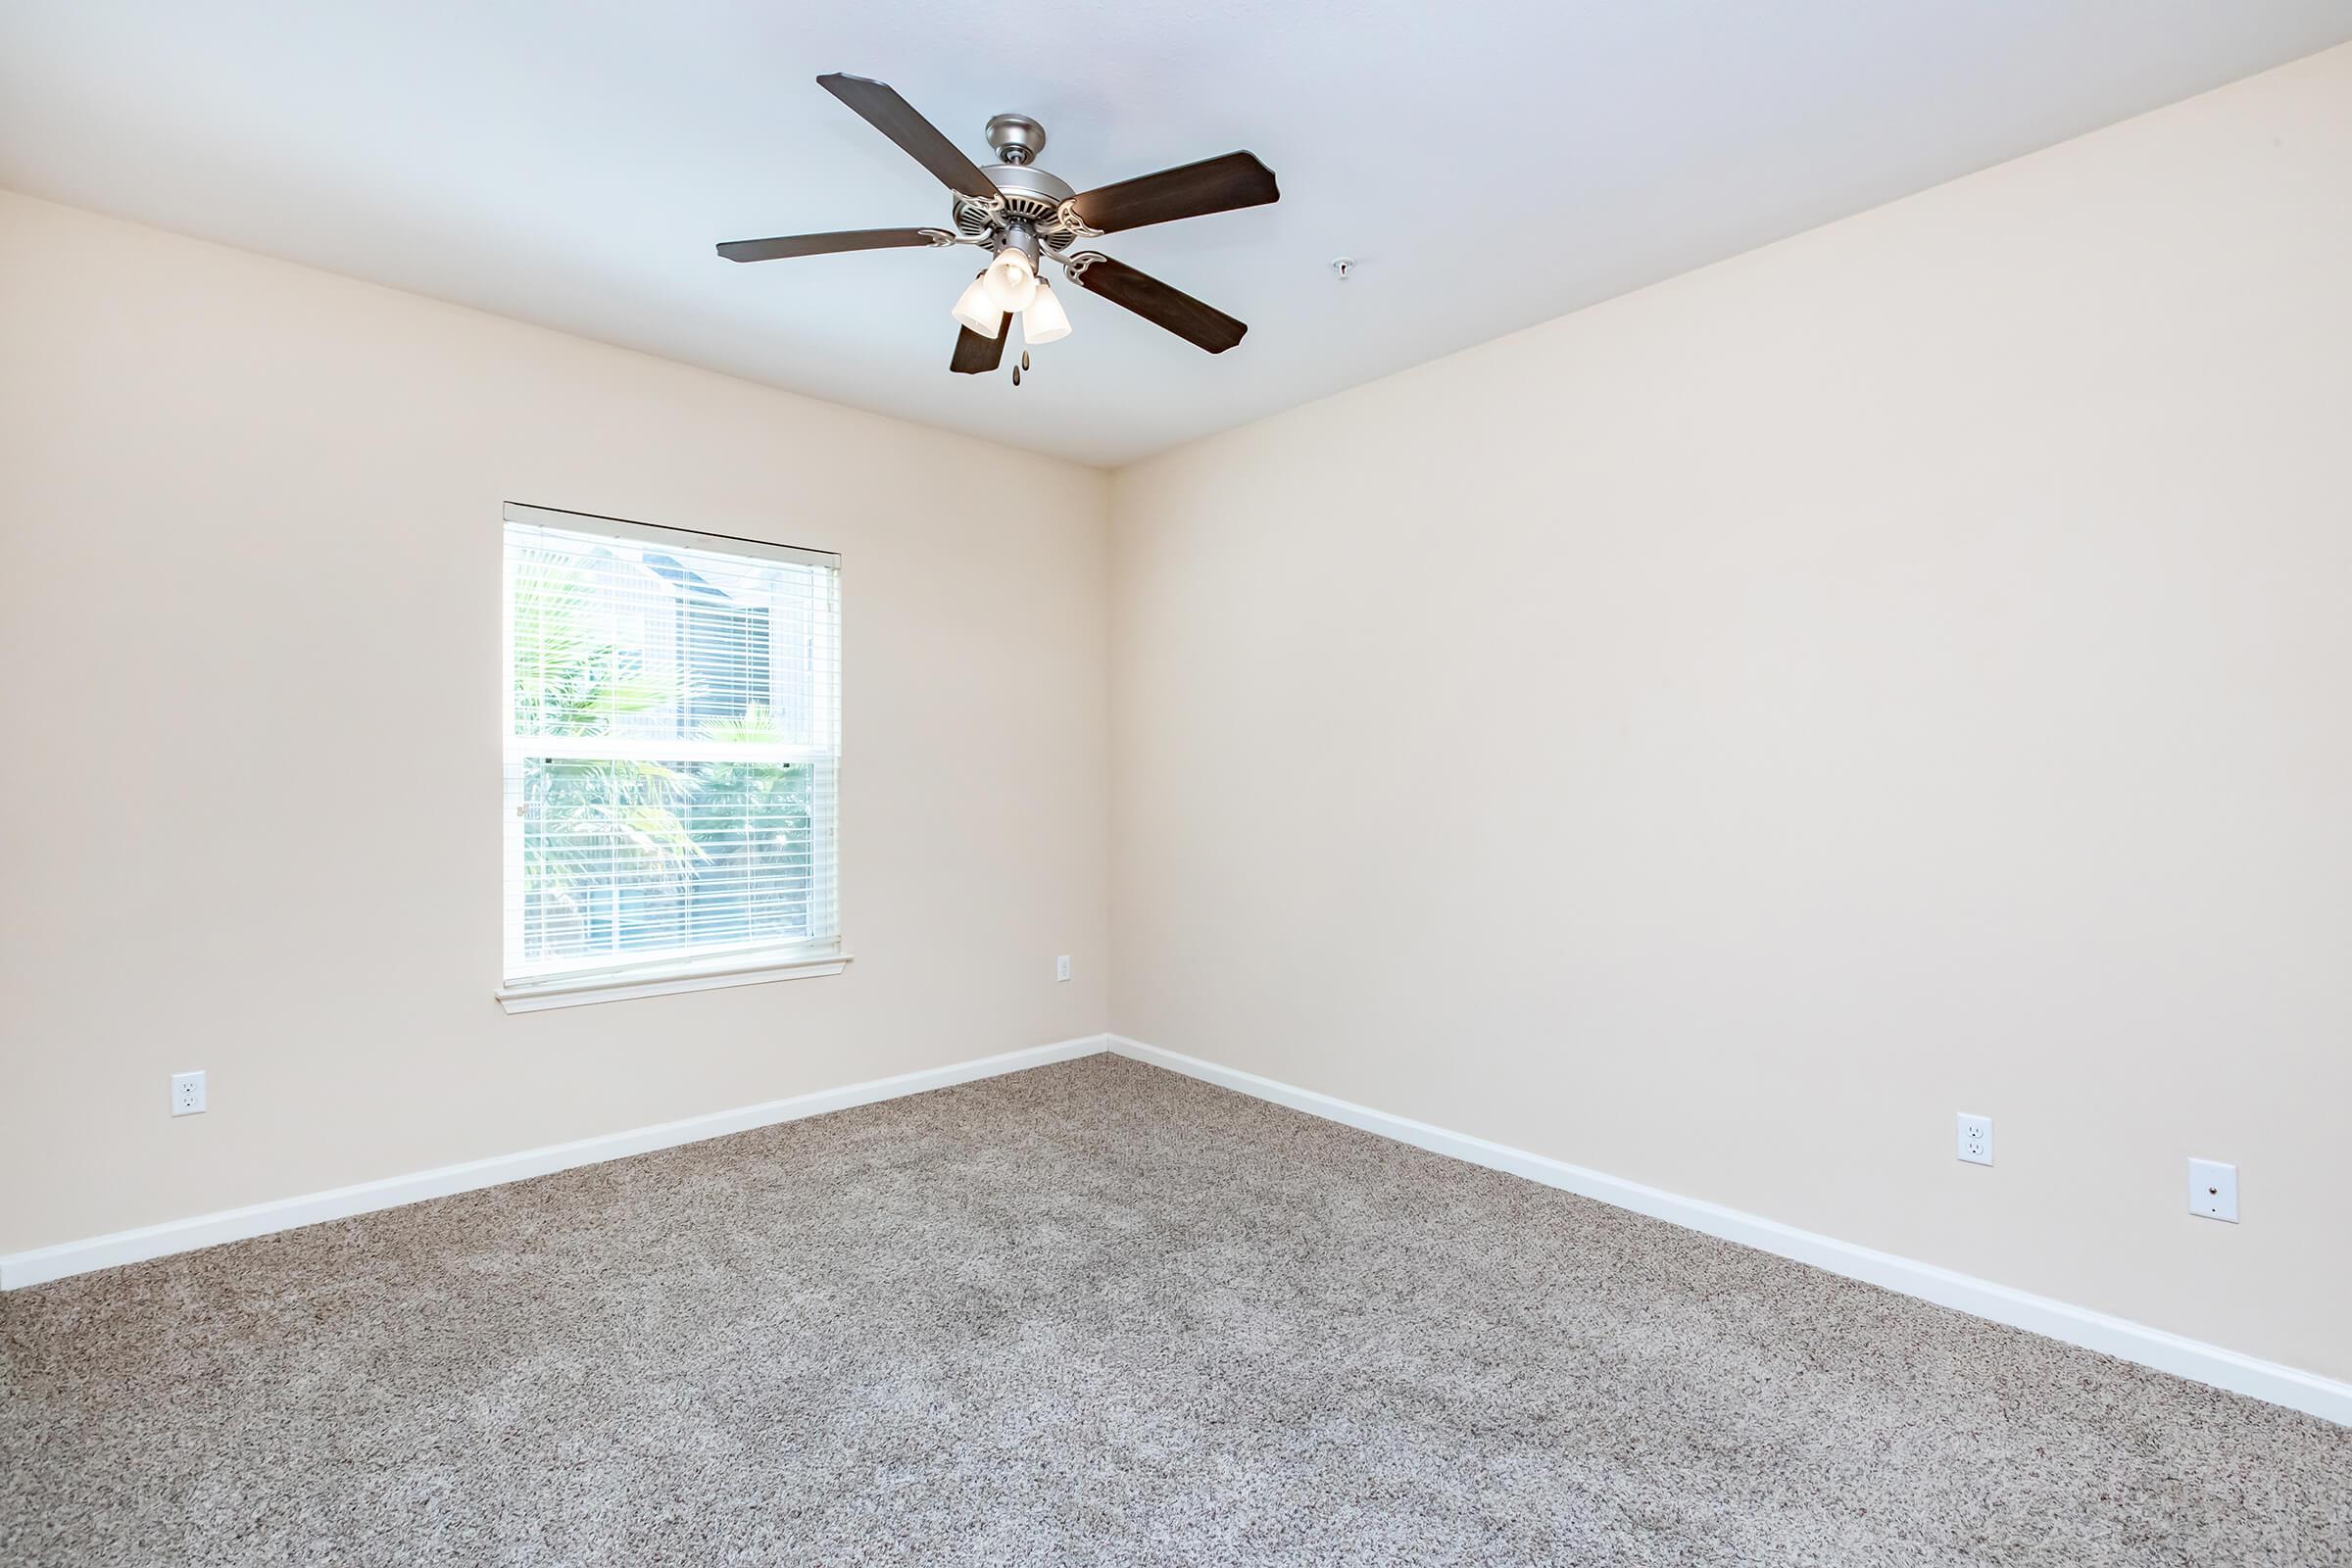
(1715, 736)
(249, 607)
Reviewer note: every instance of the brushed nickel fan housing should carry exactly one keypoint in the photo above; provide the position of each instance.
(1026, 194)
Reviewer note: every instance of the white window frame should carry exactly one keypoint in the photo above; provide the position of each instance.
(688, 969)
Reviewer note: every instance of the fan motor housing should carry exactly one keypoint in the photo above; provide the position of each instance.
(1030, 196)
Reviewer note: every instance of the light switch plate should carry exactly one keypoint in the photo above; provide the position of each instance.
(2213, 1190)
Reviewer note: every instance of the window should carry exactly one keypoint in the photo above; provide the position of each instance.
(673, 760)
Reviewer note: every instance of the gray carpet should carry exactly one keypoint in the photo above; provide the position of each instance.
(1093, 1313)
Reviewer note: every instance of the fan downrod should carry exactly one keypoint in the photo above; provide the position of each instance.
(1017, 138)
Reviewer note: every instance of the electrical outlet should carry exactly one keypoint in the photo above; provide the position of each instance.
(2213, 1190)
(1976, 1139)
(187, 1093)
(1061, 967)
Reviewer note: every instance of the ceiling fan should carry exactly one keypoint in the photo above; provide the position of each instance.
(1024, 217)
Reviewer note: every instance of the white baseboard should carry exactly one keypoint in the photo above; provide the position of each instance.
(2174, 1354)
(2194, 1359)
(43, 1264)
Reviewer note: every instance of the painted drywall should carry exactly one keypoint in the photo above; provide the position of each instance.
(574, 166)
(1715, 737)
(249, 608)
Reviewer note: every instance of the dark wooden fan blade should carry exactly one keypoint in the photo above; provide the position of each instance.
(976, 355)
(1211, 186)
(880, 106)
(1202, 326)
(852, 239)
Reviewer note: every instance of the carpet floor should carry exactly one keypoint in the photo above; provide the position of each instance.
(1089, 1313)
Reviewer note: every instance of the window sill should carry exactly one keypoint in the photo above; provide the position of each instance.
(661, 980)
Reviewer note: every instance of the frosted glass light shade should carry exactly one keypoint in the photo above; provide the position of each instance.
(1044, 320)
(1010, 280)
(975, 309)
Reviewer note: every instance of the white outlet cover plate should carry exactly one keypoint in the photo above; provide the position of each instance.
(1061, 967)
(2213, 1190)
(187, 1093)
(1973, 1137)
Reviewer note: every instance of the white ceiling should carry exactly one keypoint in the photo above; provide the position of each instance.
(1488, 165)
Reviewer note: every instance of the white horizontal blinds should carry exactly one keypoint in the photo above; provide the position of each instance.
(672, 764)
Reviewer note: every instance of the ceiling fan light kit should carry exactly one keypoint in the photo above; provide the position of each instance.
(974, 308)
(1024, 217)
(1011, 278)
(1044, 320)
